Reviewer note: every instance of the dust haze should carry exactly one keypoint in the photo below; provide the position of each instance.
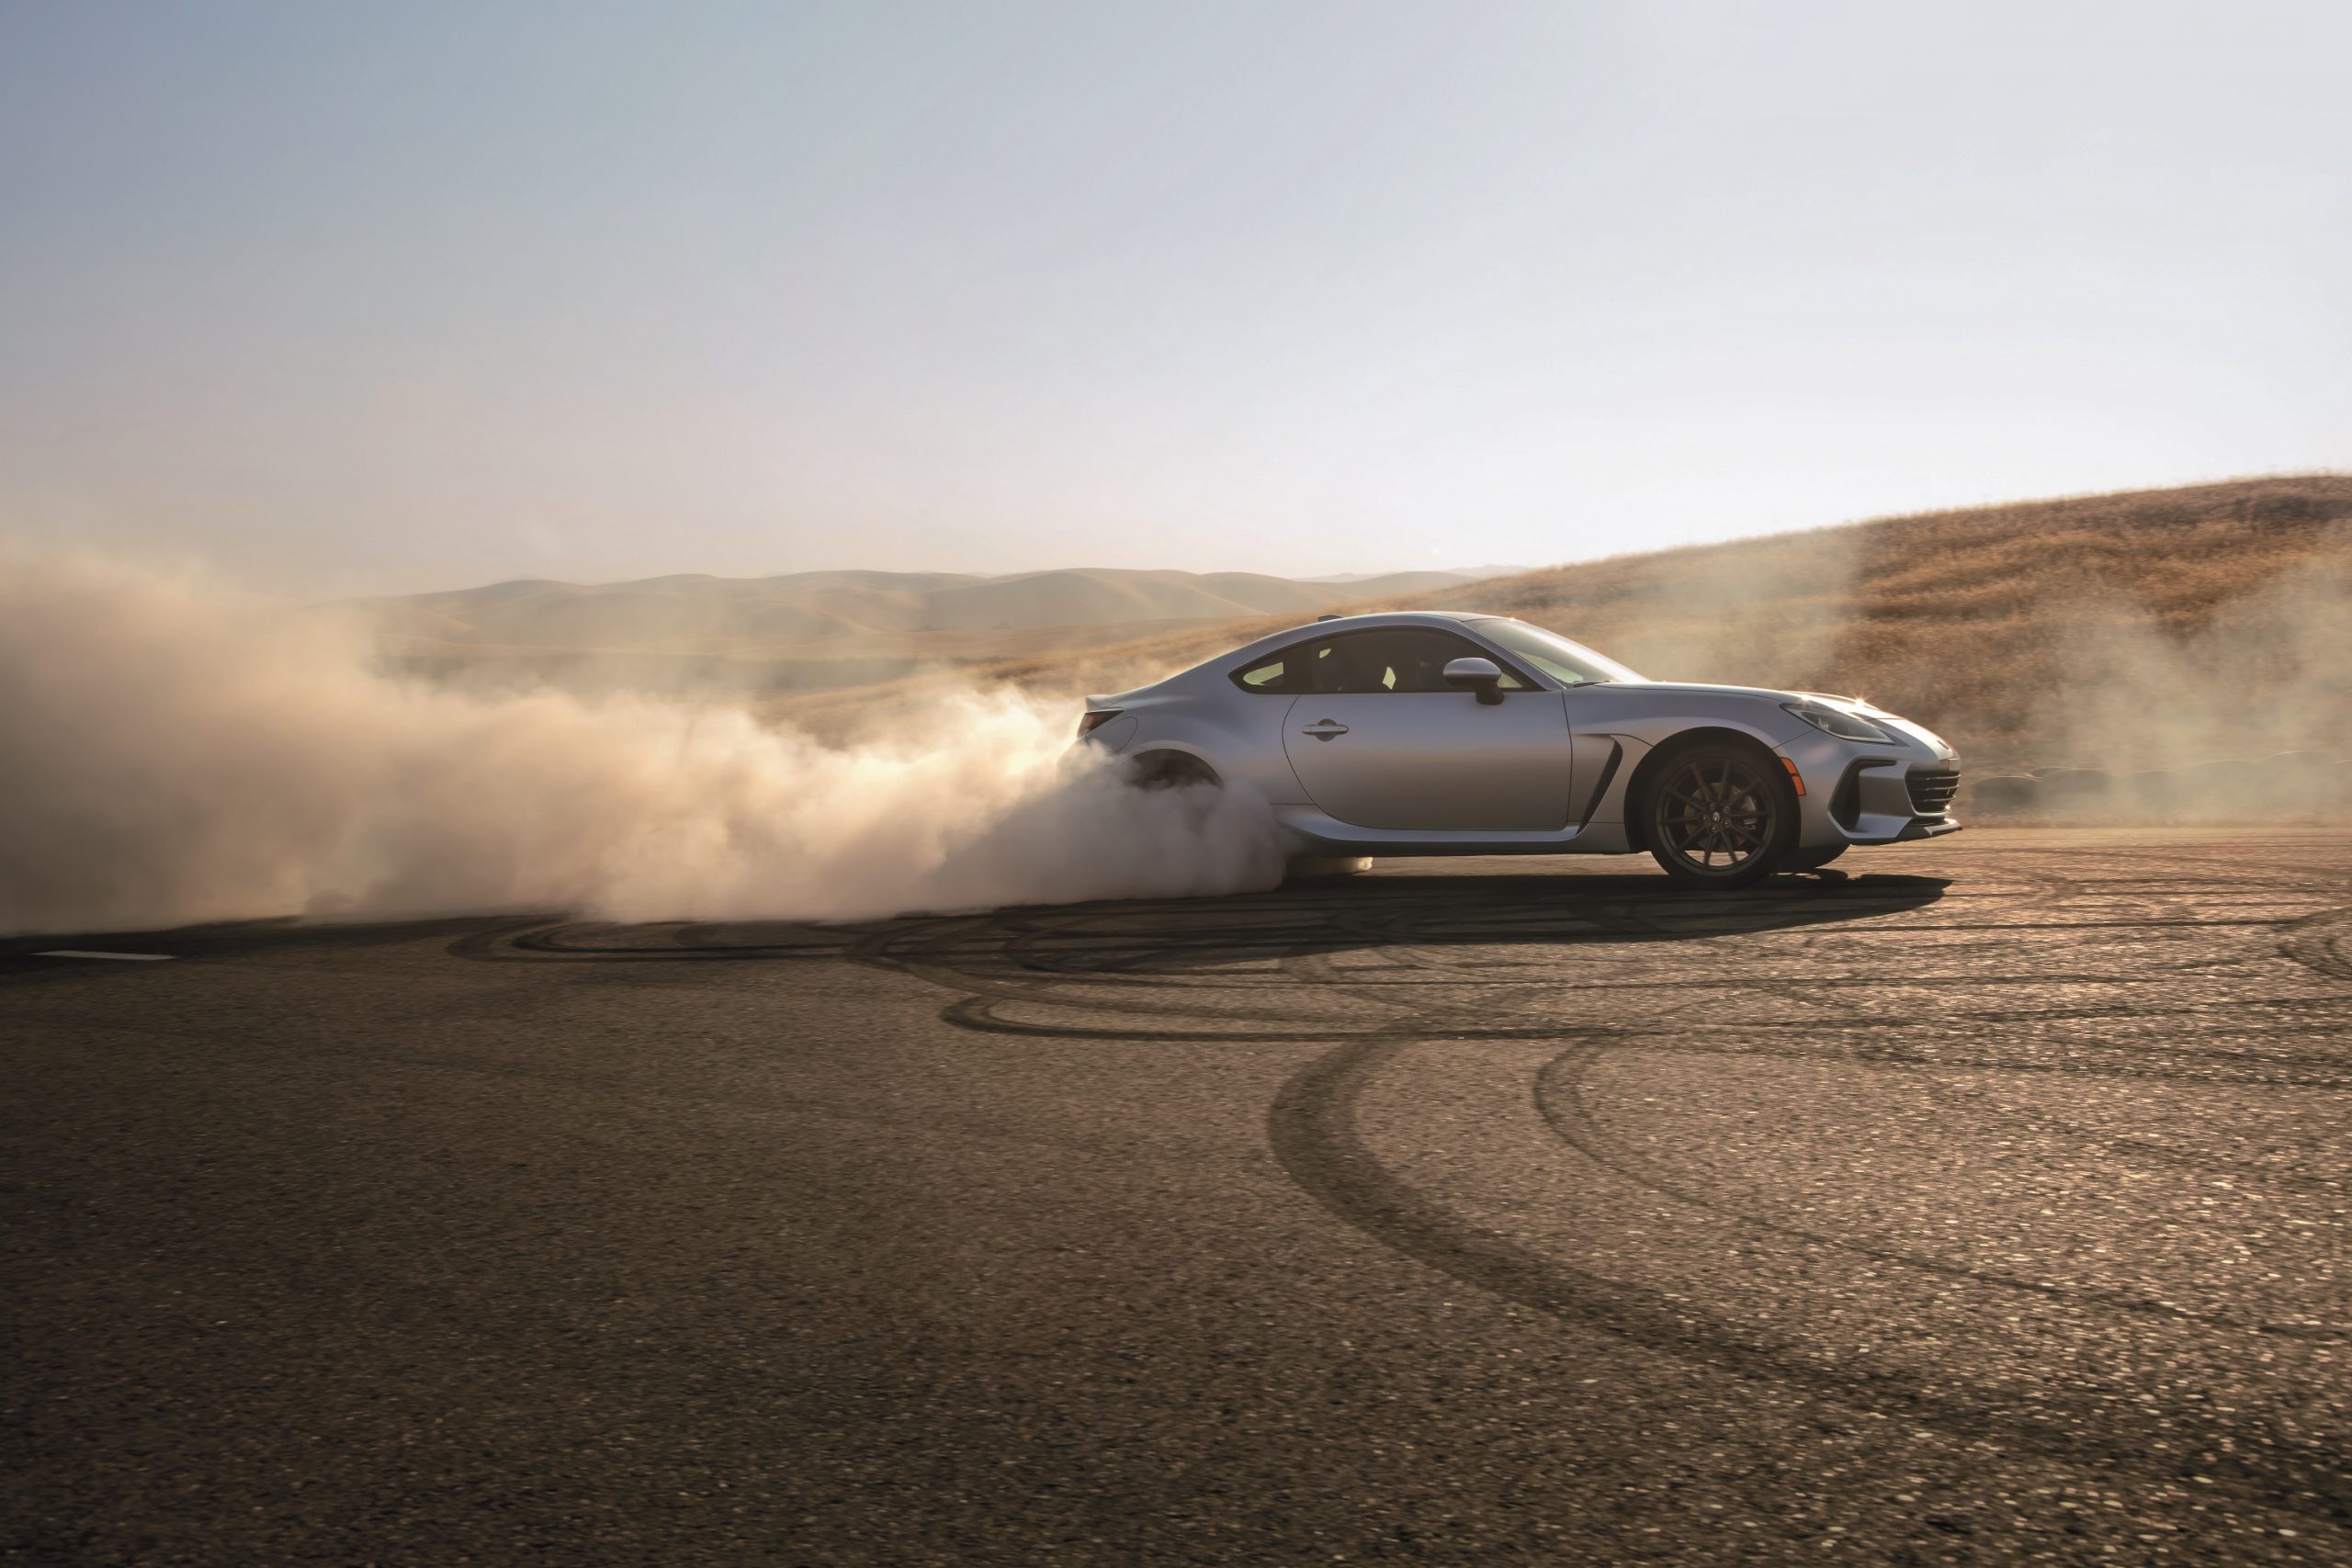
(2237, 713)
(2243, 717)
(2180, 655)
(1761, 613)
(178, 752)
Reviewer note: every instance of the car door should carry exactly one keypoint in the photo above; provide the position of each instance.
(1379, 740)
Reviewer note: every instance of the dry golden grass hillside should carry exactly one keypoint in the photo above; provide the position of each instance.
(820, 630)
(2130, 630)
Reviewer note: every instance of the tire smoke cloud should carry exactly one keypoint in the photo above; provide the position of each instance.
(175, 752)
(2241, 717)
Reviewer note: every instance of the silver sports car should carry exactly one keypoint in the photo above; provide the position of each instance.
(1424, 733)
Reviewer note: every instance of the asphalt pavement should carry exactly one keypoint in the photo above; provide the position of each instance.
(1986, 1205)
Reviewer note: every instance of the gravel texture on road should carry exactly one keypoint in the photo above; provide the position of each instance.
(1986, 1205)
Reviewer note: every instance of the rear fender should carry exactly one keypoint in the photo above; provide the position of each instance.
(1239, 742)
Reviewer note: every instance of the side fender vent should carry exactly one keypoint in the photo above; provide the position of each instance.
(1601, 785)
(1846, 800)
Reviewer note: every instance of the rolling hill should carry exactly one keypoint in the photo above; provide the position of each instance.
(694, 610)
(820, 630)
(2124, 631)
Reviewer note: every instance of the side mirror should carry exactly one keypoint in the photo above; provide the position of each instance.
(1483, 676)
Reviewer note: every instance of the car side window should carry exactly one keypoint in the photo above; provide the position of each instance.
(1267, 674)
(1393, 659)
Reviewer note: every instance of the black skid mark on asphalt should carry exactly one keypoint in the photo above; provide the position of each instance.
(1861, 1040)
(2259, 1068)
(1312, 1130)
(1559, 1098)
(1432, 955)
(1129, 962)
(2321, 943)
(2267, 1461)
(545, 942)
(2077, 1424)
(1126, 962)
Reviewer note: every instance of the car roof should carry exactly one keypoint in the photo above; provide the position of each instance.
(1241, 658)
(1326, 625)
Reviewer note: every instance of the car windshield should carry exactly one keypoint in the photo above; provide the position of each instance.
(1571, 663)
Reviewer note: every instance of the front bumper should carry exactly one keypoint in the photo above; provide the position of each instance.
(1863, 795)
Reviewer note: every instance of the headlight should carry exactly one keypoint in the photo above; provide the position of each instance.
(1839, 722)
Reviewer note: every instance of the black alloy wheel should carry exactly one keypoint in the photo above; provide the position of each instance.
(1722, 815)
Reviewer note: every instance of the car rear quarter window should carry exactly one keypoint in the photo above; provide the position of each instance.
(1266, 675)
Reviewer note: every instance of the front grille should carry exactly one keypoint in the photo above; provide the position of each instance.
(1932, 789)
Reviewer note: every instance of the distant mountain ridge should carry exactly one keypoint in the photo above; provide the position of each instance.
(695, 613)
(1459, 573)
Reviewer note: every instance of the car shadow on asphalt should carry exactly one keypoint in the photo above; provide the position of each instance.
(1325, 914)
(1314, 916)
(1332, 915)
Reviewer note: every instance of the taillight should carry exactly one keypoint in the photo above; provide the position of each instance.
(1095, 720)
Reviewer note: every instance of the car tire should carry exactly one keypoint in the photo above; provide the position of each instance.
(1720, 813)
(1814, 860)
(1169, 770)
(1318, 868)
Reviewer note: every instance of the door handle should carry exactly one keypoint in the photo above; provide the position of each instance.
(1325, 729)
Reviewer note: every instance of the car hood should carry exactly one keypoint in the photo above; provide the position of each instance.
(1767, 693)
(1895, 722)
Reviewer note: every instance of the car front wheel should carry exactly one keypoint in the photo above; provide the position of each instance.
(1720, 814)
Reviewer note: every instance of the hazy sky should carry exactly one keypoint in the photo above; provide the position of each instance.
(413, 295)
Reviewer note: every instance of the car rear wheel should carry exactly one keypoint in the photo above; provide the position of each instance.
(1317, 868)
(1720, 814)
(1169, 770)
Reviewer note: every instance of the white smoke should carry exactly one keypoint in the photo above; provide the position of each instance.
(173, 752)
(2268, 672)
(1766, 611)
(2243, 717)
